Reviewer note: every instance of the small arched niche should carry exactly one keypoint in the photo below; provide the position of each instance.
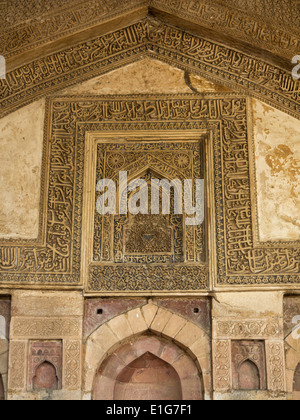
(148, 378)
(249, 378)
(2, 392)
(45, 377)
(296, 384)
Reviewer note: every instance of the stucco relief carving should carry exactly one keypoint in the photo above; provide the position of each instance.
(276, 366)
(256, 329)
(25, 30)
(222, 365)
(216, 62)
(239, 261)
(17, 365)
(46, 328)
(72, 364)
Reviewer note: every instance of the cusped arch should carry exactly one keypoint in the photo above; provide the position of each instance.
(158, 321)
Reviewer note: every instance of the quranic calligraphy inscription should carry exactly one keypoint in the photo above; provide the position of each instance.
(151, 37)
(240, 262)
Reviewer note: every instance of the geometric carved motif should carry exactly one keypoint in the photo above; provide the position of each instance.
(148, 238)
(41, 352)
(17, 365)
(239, 260)
(249, 351)
(167, 43)
(46, 328)
(72, 365)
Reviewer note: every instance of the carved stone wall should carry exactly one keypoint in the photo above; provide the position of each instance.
(32, 23)
(234, 69)
(251, 333)
(225, 120)
(50, 333)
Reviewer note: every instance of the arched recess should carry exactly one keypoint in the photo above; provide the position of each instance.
(148, 378)
(148, 368)
(296, 384)
(45, 377)
(148, 319)
(292, 365)
(2, 391)
(249, 377)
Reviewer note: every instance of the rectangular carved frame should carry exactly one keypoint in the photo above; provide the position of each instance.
(239, 262)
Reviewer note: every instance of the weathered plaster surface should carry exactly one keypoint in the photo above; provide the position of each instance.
(277, 155)
(21, 137)
(21, 144)
(248, 305)
(147, 76)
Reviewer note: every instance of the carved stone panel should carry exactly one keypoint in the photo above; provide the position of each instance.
(244, 329)
(72, 364)
(222, 365)
(233, 68)
(276, 365)
(17, 365)
(240, 261)
(43, 354)
(249, 365)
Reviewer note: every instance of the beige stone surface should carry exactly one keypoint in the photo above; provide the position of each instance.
(149, 312)
(121, 327)
(47, 304)
(277, 158)
(147, 76)
(248, 305)
(161, 320)
(174, 325)
(137, 321)
(21, 145)
(188, 335)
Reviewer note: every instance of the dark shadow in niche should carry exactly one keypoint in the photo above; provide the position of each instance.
(249, 378)
(296, 387)
(148, 378)
(2, 393)
(45, 377)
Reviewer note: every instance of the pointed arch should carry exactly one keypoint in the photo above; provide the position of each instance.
(249, 377)
(148, 378)
(296, 384)
(2, 390)
(157, 321)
